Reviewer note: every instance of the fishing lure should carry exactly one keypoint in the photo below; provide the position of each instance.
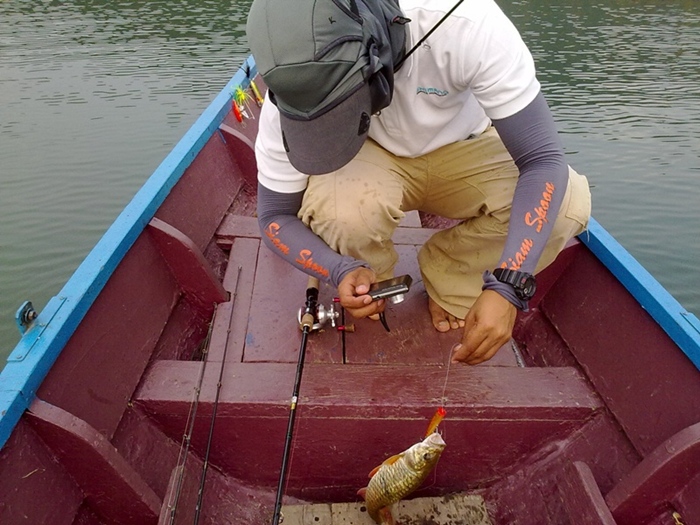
(240, 99)
(256, 92)
(240, 96)
(435, 421)
(237, 112)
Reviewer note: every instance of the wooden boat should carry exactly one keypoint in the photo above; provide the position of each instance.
(155, 387)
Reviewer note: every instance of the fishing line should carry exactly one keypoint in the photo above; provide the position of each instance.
(440, 413)
(189, 425)
(447, 374)
(200, 494)
(420, 42)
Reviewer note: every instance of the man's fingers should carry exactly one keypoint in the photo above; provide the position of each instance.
(479, 344)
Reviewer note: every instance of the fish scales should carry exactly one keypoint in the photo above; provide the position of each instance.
(393, 483)
(400, 475)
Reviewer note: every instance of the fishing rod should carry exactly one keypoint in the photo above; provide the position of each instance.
(200, 493)
(307, 324)
(312, 317)
(187, 437)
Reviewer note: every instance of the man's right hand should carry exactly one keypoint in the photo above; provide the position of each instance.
(352, 292)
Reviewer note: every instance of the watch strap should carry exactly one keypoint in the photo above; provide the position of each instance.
(506, 290)
(517, 279)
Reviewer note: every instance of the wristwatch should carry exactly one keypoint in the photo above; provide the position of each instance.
(523, 283)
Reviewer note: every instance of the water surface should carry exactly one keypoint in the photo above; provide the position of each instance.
(93, 95)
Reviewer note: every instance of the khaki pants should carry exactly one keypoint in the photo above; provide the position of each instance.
(357, 208)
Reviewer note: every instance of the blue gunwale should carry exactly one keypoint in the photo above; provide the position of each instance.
(40, 346)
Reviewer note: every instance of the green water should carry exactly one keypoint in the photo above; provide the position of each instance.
(93, 95)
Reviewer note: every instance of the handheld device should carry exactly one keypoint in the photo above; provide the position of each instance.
(391, 289)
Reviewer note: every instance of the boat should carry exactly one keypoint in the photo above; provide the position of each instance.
(157, 386)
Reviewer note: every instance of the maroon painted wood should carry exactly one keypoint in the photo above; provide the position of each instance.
(280, 292)
(111, 487)
(206, 190)
(629, 359)
(180, 499)
(150, 452)
(582, 498)
(530, 494)
(653, 484)
(190, 269)
(183, 332)
(242, 148)
(353, 417)
(34, 487)
(118, 334)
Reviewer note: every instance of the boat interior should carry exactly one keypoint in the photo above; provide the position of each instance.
(575, 420)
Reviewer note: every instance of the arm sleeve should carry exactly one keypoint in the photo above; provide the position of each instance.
(285, 234)
(531, 138)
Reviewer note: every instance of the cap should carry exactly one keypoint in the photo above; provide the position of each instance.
(317, 61)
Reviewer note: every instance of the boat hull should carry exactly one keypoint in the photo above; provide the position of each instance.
(177, 341)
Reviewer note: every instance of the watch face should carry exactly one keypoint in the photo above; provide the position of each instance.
(527, 288)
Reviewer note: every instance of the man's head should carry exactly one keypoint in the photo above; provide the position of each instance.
(329, 66)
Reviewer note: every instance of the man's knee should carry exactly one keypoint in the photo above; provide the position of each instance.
(577, 206)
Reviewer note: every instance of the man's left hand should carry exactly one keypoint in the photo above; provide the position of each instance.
(488, 326)
(353, 293)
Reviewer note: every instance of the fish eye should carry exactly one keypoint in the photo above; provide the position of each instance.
(426, 456)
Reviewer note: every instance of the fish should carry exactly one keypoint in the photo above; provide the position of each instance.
(399, 476)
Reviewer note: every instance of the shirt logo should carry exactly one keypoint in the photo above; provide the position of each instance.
(432, 91)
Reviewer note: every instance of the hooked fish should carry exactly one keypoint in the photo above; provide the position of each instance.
(400, 475)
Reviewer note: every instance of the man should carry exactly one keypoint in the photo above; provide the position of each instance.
(366, 119)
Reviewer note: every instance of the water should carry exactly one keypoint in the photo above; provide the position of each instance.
(93, 95)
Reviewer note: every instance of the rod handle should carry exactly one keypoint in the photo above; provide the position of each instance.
(309, 317)
(312, 283)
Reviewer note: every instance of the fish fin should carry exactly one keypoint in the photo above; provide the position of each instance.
(386, 517)
(389, 461)
(362, 492)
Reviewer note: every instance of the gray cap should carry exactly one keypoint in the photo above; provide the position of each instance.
(319, 59)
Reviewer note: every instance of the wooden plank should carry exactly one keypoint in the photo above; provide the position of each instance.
(190, 269)
(119, 334)
(180, 499)
(658, 479)
(213, 178)
(271, 327)
(29, 473)
(413, 340)
(583, 501)
(238, 226)
(351, 418)
(111, 486)
(455, 509)
(273, 333)
(242, 149)
(411, 220)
